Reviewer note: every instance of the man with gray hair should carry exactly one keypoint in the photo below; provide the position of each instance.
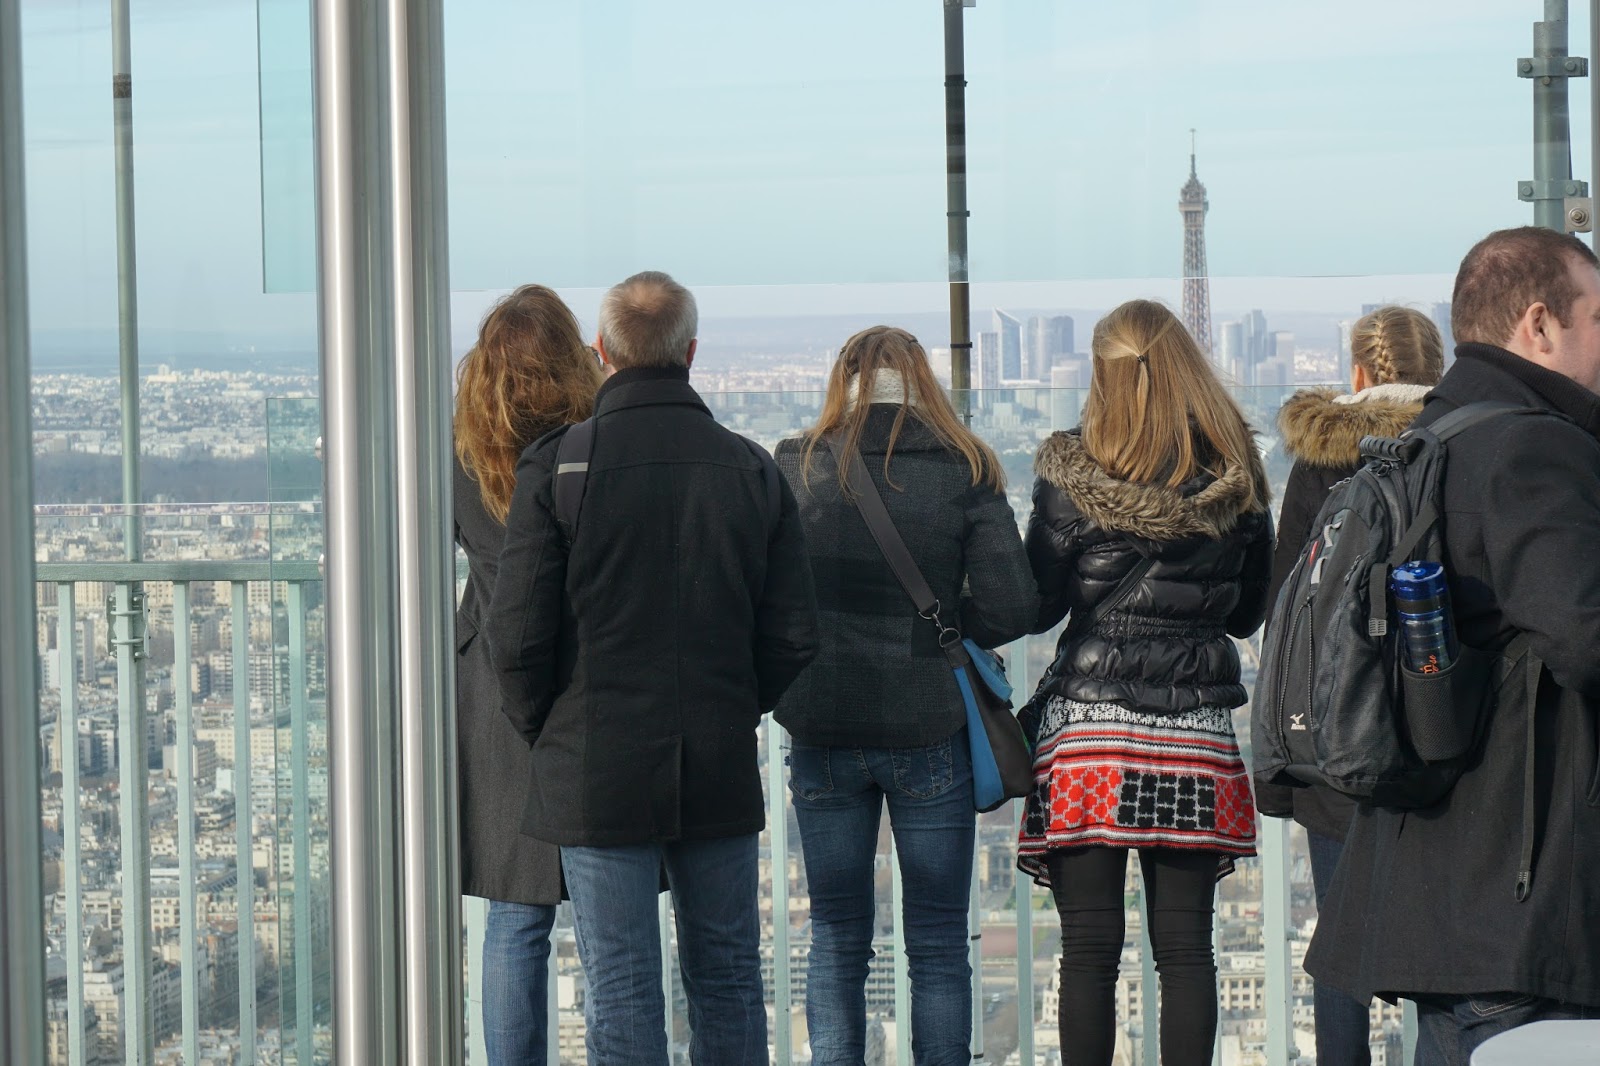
(654, 599)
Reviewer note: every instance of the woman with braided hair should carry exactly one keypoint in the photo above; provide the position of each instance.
(1396, 357)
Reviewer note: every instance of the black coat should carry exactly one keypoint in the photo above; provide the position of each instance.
(638, 661)
(880, 679)
(1165, 649)
(492, 763)
(1323, 435)
(1424, 901)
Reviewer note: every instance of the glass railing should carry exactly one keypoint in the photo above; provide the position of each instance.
(225, 837)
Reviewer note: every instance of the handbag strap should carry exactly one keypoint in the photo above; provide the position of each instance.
(1124, 588)
(870, 503)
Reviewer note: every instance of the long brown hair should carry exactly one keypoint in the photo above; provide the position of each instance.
(1155, 410)
(1398, 345)
(855, 375)
(529, 372)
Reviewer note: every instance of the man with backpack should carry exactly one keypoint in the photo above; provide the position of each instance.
(1480, 900)
(654, 599)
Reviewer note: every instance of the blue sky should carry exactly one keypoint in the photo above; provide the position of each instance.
(791, 155)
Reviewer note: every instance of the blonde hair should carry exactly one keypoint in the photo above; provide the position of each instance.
(1398, 346)
(529, 372)
(863, 357)
(1155, 410)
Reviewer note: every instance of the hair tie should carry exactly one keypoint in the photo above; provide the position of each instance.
(1144, 359)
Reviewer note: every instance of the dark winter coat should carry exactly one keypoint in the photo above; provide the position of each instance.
(879, 679)
(1323, 433)
(1424, 901)
(492, 763)
(637, 661)
(1165, 649)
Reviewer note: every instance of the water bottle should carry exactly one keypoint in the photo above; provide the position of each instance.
(1422, 602)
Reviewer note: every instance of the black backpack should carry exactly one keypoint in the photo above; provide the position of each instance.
(1333, 704)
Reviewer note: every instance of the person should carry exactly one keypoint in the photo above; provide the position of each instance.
(529, 372)
(1396, 357)
(878, 718)
(1434, 905)
(1150, 528)
(636, 654)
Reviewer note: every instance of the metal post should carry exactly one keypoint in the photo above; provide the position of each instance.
(1550, 69)
(300, 812)
(778, 861)
(425, 530)
(902, 966)
(355, 319)
(975, 959)
(1149, 987)
(1274, 839)
(1594, 112)
(22, 1007)
(476, 912)
(126, 637)
(244, 892)
(664, 923)
(1024, 903)
(71, 816)
(956, 213)
(183, 712)
(127, 269)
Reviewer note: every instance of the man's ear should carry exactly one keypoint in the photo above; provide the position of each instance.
(600, 346)
(688, 360)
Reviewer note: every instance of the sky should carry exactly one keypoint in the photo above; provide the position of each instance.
(790, 157)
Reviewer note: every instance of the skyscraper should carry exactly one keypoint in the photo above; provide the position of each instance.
(1231, 359)
(986, 362)
(1049, 340)
(1009, 329)
(1192, 205)
(1441, 318)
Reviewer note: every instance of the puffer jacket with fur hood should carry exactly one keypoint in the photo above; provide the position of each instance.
(1322, 430)
(1164, 649)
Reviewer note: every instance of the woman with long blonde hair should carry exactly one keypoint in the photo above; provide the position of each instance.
(1150, 534)
(529, 373)
(877, 717)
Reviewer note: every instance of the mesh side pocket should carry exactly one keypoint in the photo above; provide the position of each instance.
(1443, 710)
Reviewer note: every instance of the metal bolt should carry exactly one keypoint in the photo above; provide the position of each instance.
(1579, 217)
(1572, 188)
(1526, 66)
(1572, 64)
(1525, 189)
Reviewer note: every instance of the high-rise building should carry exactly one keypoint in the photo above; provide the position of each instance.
(1009, 329)
(1440, 313)
(1049, 340)
(88, 658)
(1231, 355)
(986, 362)
(1192, 205)
(1283, 346)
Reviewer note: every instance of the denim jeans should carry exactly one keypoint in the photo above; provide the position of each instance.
(616, 919)
(516, 983)
(839, 795)
(1343, 1022)
(1450, 1028)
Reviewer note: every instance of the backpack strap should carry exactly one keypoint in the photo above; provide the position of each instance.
(573, 453)
(1466, 416)
(1124, 589)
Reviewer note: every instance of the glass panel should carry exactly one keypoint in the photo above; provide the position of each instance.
(288, 189)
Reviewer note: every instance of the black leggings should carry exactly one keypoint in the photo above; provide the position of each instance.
(1087, 883)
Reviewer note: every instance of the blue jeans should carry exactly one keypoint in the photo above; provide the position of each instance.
(1450, 1028)
(839, 795)
(617, 923)
(516, 983)
(1343, 1022)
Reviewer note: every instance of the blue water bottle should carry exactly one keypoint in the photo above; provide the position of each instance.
(1422, 602)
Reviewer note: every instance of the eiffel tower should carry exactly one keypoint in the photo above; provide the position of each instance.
(1192, 205)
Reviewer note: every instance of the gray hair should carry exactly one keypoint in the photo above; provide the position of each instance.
(648, 320)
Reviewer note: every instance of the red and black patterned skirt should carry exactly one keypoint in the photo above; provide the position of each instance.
(1113, 777)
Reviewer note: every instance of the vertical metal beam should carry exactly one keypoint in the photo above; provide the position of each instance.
(1594, 114)
(1149, 988)
(127, 268)
(665, 924)
(1551, 69)
(354, 321)
(126, 636)
(183, 712)
(431, 890)
(22, 1007)
(71, 815)
(1274, 841)
(778, 859)
(300, 813)
(553, 1032)
(975, 958)
(476, 911)
(244, 892)
(1024, 904)
(956, 213)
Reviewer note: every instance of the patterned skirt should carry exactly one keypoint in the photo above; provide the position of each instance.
(1113, 777)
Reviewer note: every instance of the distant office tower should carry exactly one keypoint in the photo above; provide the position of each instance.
(1441, 318)
(1367, 309)
(88, 663)
(1283, 347)
(1231, 358)
(986, 362)
(1346, 329)
(1010, 330)
(1192, 205)
(1050, 340)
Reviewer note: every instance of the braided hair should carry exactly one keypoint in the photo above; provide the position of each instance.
(1398, 346)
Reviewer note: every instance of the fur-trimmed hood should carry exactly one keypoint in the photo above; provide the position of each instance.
(1205, 507)
(1324, 428)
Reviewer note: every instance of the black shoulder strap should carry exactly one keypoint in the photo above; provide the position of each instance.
(870, 503)
(1466, 416)
(1124, 588)
(573, 453)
